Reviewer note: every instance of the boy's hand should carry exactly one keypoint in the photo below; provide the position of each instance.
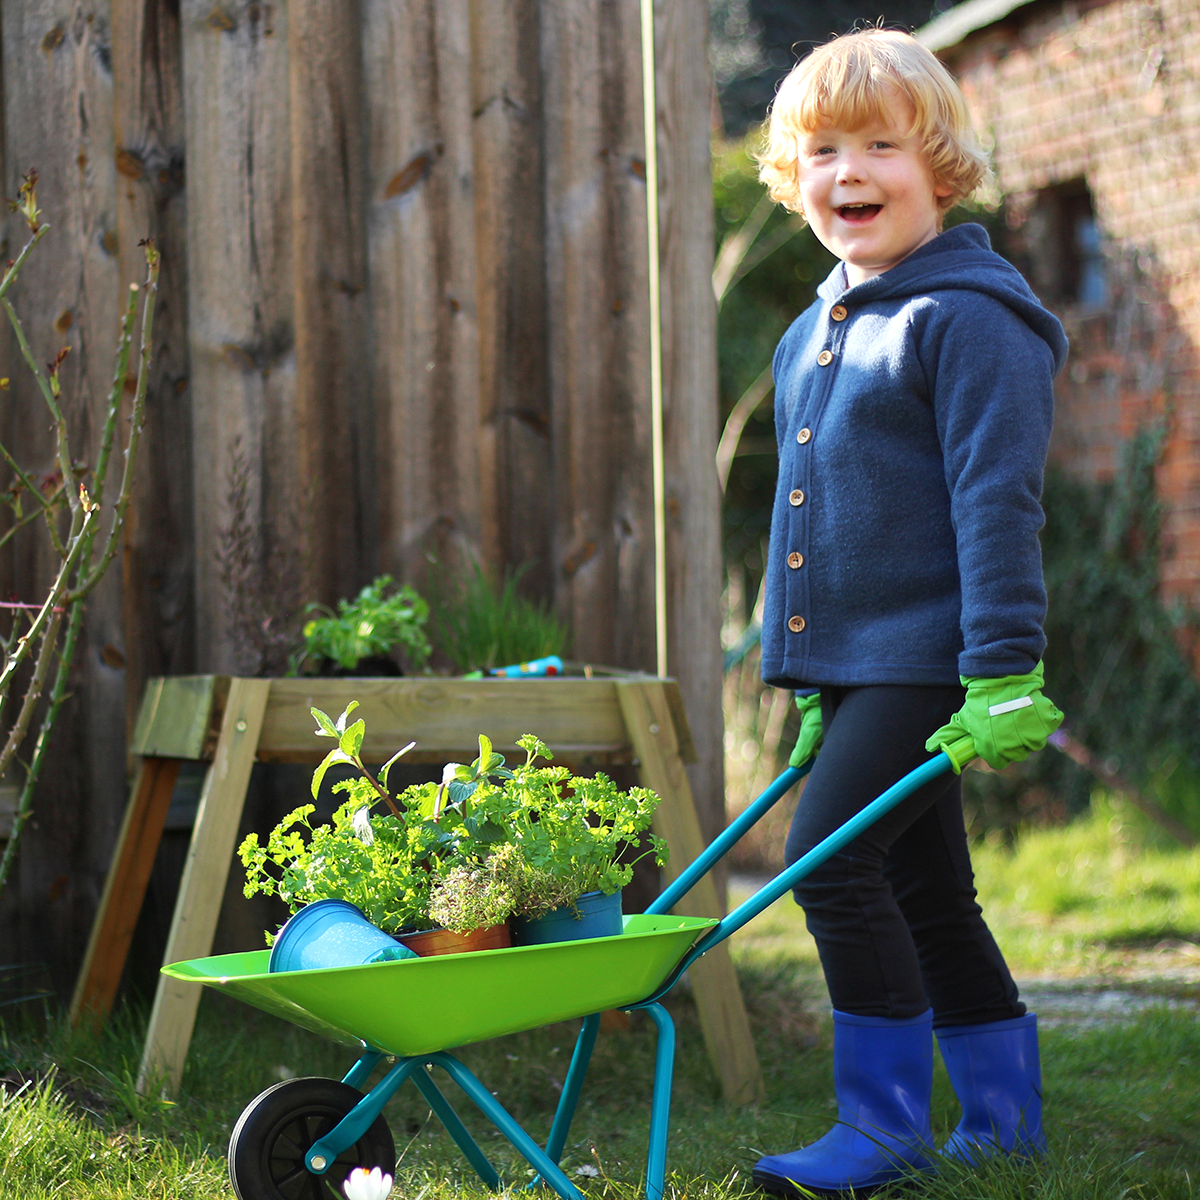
(1008, 719)
(812, 732)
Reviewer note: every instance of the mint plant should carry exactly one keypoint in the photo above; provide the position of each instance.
(380, 618)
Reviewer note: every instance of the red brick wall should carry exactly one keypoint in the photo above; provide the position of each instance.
(1110, 93)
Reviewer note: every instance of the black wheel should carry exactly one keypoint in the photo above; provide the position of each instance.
(277, 1129)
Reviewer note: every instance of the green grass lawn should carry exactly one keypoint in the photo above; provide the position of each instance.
(1122, 1100)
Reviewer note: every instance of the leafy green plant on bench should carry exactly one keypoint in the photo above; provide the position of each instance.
(379, 620)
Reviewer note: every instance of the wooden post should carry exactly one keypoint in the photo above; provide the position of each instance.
(652, 729)
(690, 406)
(199, 904)
(125, 889)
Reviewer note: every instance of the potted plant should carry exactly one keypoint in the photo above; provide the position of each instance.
(362, 635)
(568, 848)
(486, 844)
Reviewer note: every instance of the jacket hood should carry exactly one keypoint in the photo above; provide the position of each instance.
(961, 258)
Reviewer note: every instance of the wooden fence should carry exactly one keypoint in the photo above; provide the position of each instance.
(403, 312)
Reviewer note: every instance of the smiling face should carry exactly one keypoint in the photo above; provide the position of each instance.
(869, 193)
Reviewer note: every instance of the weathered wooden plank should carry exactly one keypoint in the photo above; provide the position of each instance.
(148, 123)
(203, 885)
(723, 1019)
(599, 337)
(689, 372)
(58, 119)
(421, 245)
(124, 890)
(334, 413)
(447, 716)
(241, 330)
(177, 715)
(516, 455)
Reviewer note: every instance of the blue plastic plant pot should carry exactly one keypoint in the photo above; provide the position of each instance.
(593, 915)
(332, 933)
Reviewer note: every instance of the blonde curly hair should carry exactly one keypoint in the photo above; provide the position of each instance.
(854, 79)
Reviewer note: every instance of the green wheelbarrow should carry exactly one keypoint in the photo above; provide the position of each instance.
(301, 1139)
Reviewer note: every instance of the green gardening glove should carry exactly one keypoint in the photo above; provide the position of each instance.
(812, 732)
(1008, 719)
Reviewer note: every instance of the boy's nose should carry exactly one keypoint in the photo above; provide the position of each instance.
(850, 171)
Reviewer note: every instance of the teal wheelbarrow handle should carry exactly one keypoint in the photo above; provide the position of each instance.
(955, 756)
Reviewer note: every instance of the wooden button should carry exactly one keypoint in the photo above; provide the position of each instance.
(796, 624)
(825, 358)
(838, 312)
(796, 498)
(805, 435)
(795, 560)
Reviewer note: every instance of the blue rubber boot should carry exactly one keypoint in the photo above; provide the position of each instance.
(883, 1076)
(998, 1081)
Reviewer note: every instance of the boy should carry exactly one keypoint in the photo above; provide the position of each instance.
(904, 598)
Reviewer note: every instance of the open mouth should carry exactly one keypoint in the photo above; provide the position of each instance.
(858, 214)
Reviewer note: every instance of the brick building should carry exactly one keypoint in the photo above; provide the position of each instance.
(1093, 109)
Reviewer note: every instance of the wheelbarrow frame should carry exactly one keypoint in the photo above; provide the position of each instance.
(545, 1160)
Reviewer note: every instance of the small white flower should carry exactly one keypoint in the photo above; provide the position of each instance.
(588, 1170)
(362, 827)
(362, 1184)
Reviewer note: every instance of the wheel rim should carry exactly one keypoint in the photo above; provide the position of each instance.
(284, 1156)
(275, 1133)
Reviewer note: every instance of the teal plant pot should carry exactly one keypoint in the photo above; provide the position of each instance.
(593, 915)
(332, 933)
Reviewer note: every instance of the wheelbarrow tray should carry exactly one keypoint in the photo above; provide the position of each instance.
(420, 1005)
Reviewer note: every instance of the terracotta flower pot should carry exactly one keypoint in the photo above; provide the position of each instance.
(444, 941)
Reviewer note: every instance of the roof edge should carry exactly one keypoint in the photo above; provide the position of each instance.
(953, 26)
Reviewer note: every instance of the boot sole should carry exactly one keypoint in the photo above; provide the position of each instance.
(774, 1186)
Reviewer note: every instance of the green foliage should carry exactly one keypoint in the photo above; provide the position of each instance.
(1097, 897)
(379, 618)
(479, 622)
(485, 843)
(1118, 660)
(756, 310)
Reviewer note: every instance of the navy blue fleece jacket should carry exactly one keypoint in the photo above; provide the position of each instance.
(913, 413)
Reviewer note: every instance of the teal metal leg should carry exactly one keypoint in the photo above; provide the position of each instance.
(498, 1115)
(361, 1071)
(455, 1128)
(565, 1112)
(358, 1120)
(660, 1104)
(572, 1085)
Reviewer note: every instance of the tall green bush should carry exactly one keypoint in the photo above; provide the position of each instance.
(1120, 661)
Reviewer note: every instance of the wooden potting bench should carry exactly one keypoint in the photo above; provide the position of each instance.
(230, 722)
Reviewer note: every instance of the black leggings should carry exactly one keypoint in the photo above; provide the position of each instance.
(894, 913)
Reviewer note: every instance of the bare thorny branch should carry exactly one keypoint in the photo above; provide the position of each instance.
(71, 510)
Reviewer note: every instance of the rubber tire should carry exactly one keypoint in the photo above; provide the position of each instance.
(280, 1126)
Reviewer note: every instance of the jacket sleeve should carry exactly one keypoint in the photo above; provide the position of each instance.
(991, 382)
